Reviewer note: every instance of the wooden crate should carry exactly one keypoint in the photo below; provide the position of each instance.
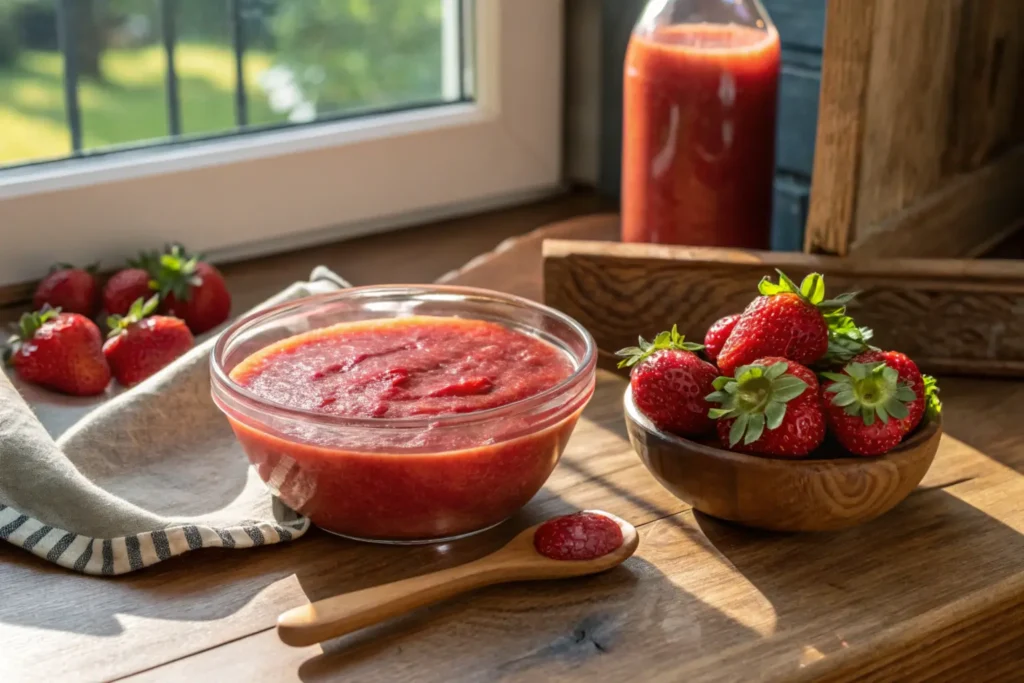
(951, 316)
(920, 138)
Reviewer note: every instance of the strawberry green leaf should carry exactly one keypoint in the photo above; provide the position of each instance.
(739, 427)
(720, 382)
(896, 408)
(663, 341)
(872, 391)
(787, 388)
(844, 399)
(777, 370)
(768, 288)
(139, 310)
(813, 288)
(774, 412)
(933, 406)
(841, 301)
(755, 427)
(788, 284)
(906, 394)
(717, 397)
(718, 413)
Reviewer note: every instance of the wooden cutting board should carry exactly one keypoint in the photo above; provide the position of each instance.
(935, 588)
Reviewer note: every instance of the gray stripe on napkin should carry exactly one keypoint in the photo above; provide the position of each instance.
(6, 531)
(255, 534)
(108, 557)
(83, 559)
(283, 533)
(34, 539)
(134, 548)
(226, 537)
(58, 549)
(194, 538)
(162, 545)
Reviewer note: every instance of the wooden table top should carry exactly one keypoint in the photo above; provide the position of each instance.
(934, 588)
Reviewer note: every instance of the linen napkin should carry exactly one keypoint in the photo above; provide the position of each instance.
(122, 483)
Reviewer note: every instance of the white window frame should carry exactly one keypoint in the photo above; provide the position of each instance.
(245, 195)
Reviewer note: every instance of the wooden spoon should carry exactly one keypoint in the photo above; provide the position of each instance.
(517, 561)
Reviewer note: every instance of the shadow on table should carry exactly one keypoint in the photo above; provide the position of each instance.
(543, 630)
(842, 589)
(205, 586)
(979, 412)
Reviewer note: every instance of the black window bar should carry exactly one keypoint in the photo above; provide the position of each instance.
(169, 12)
(68, 44)
(69, 48)
(238, 39)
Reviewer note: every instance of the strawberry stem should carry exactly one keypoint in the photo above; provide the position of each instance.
(664, 341)
(871, 390)
(756, 398)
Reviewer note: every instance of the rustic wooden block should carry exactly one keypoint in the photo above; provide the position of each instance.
(951, 316)
(918, 142)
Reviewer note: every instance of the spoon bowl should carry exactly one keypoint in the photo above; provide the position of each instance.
(518, 560)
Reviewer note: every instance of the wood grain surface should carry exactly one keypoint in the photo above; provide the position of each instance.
(517, 561)
(951, 316)
(838, 148)
(918, 97)
(934, 589)
(828, 491)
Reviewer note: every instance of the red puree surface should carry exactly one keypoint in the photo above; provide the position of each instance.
(391, 484)
(405, 367)
(699, 136)
(581, 536)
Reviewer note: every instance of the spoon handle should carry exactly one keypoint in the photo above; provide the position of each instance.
(342, 614)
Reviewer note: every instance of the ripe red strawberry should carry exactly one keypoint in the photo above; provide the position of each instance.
(74, 290)
(192, 290)
(786, 321)
(140, 345)
(868, 406)
(771, 407)
(908, 375)
(124, 288)
(60, 351)
(717, 335)
(669, 382)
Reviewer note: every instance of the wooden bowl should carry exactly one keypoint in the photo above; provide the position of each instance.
(816, 494)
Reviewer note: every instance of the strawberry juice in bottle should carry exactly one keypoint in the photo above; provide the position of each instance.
(701, 81)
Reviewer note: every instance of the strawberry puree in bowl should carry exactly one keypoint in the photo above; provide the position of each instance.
(404, 414)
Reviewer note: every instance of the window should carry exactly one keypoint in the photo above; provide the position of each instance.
(241, 126)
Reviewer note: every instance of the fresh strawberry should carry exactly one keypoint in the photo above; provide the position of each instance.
(771, 407)
(669, 382)
(868, 406)
(74, 290)
(908, 375)
(124, 288)
(786, 321)
(192, 290)
(140, 345)
(717, 335)
(60, 351)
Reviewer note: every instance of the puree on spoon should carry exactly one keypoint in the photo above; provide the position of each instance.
(393, 469)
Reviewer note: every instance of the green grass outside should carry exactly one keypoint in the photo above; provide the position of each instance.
(130, 105)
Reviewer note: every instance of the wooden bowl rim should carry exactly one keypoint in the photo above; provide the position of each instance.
(927, 430)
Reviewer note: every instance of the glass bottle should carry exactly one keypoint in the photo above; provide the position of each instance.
(700, 94)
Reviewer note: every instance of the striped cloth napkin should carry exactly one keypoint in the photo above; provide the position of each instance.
(111, 486)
